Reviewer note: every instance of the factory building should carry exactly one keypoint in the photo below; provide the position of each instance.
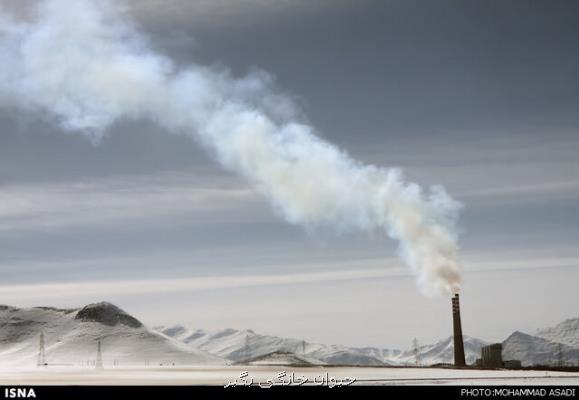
(492, 357)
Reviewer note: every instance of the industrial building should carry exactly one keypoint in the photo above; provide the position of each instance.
(492, 357)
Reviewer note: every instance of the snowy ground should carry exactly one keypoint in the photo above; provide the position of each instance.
(220, 376)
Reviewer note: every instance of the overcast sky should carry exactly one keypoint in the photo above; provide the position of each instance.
(481, 97)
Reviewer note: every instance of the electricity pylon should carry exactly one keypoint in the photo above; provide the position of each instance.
(41, 351)
(415, 348)
(99, 357)
(246, 349)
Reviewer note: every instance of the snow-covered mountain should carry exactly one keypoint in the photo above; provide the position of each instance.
(441, 352)
(567, 332)
(534, 350)
(71, 337)
(240, 345)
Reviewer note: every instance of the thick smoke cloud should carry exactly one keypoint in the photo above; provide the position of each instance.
(84, 64)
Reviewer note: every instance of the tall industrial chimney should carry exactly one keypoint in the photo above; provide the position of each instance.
(457, 331)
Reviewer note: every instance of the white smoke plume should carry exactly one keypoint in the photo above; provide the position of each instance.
(83, 63)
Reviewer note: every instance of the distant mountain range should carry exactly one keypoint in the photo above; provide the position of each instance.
(241, 345)
(71, 337)
(550, 346)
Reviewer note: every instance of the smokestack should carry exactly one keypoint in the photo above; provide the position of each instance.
(457, 331)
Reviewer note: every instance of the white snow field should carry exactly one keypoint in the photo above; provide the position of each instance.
(221, 375)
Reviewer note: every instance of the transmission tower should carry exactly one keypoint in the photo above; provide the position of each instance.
(246, 348)
(415, 349)
(560, 355)
(99, 357)
(41, 351)
(304, 347)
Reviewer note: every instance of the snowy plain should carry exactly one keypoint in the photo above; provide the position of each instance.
(221, 375)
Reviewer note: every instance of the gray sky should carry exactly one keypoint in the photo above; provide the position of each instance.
(481, 97)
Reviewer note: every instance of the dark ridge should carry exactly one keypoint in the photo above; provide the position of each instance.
(195, 335)
(225, 332)
(173, 330)
(107, 314)
(63, 310)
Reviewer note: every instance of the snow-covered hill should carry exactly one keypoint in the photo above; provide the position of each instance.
(71, 337)
(239, 345)
(441, 352)
(567, 332)
(533, 350)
